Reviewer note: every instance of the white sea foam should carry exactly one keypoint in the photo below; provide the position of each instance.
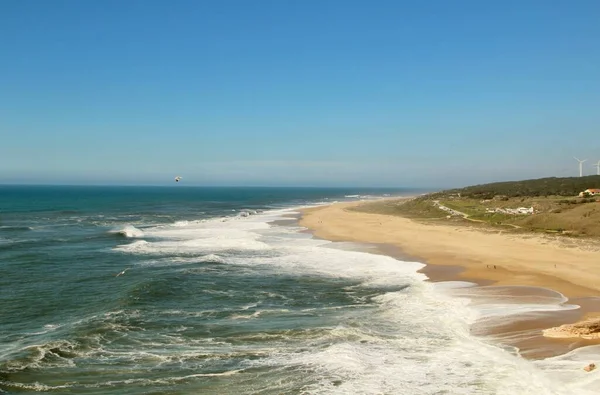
(129, 231)
(416, 340)
(214, 258)
(52, 326)
(191, 247)
(493, 302)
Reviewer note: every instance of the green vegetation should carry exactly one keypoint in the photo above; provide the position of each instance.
(552, 186)
(555, 202)
(414, 208)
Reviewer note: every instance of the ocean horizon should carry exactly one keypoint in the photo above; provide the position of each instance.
(187, 290)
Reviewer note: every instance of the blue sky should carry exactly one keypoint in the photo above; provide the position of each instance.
(315, 92)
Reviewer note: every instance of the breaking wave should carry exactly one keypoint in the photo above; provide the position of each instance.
(128, 231)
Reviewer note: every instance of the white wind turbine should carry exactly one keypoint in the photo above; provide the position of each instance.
(580, 166)
(597, 166)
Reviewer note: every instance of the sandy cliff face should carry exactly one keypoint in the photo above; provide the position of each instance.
(588, 329)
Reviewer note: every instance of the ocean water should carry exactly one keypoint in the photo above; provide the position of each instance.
(107, 290)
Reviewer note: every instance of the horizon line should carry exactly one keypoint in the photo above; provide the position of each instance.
(208, 186)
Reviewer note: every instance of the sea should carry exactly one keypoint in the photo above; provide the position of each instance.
(194, 290)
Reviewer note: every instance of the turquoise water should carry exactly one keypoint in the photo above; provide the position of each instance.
(68, 324)
(217, 298)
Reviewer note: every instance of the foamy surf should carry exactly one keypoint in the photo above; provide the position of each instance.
(415, 338)
(228, 303)
(129, 231)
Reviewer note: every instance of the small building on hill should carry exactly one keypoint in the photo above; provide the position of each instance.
(590, 192)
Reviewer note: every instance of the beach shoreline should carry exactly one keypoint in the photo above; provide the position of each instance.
(519, 259)
(451, 253)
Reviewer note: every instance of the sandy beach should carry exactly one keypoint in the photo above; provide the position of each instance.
(518, 259)
(487, 258)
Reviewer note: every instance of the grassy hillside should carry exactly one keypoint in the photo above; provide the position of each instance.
(556, 207)
(553, 186)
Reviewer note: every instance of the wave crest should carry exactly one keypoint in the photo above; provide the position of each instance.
(212, 258)
(129, 231)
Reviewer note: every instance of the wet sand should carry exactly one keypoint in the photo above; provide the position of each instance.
(526, 268)
(505, 259)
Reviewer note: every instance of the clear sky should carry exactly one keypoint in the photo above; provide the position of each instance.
(312, 92)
